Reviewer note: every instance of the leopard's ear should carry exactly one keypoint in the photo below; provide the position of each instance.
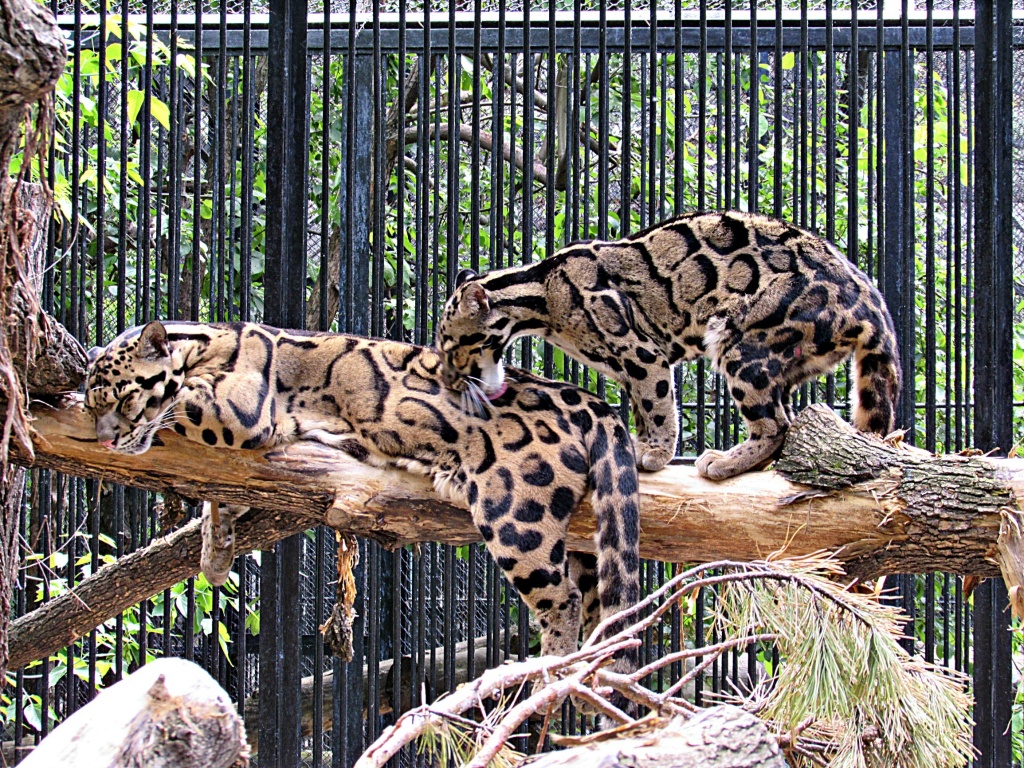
(463, 276)
(153, 344)
(474, 301)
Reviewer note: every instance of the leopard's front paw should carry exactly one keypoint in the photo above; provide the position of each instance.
(651, 458)
(717, 465)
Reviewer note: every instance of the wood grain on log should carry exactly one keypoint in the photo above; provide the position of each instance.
(168, 714)
(894, 513)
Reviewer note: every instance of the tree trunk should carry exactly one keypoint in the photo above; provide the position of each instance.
(32, 58)
(168, 714)
(720, 737)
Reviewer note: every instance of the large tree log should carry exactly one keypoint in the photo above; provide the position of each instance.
(168, 714)
(720, 737)
(882, 509)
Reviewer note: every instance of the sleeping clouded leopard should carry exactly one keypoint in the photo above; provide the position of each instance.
(522, 462)
(770, 304)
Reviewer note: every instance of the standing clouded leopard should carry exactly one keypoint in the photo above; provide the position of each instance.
(770, 304)
(522, 462)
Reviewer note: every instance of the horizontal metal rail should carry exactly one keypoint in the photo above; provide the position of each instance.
(670, 36)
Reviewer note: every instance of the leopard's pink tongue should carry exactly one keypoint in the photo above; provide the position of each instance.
(499, 392)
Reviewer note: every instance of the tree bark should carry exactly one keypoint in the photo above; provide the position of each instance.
(168, 714)
(32, 57)
(720, 737)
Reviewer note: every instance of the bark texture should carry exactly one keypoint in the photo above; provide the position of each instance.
(720, 737)
(883, 511)
(32, 57)
(168, 714)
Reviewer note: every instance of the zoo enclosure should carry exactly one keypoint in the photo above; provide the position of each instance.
(186, 196)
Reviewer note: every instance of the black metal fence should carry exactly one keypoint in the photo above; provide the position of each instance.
(194, 181)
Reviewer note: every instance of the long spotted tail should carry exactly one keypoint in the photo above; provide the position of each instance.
(878, 376)
(616, 504)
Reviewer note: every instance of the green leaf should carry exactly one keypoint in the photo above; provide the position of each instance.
(788, 60)
(160, 112)
(135, 100)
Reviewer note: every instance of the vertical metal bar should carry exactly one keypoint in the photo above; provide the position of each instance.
(754, 139)
(603, 131)
(993, 350)
(380, 184)
(284, 305)
(197, 164)
(221, 222)
(248, 126)
(399, 329)
(123, 151)
(725, 111)
(454, 142)
(897, 259)
(284, 302)
(958, 229)
(101, 174)
(626, 153)
(931, 385)
(679, 88)
(146, 312)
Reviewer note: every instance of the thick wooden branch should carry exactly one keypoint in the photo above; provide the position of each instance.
(135, 577)
(882, 509)
(885, 510)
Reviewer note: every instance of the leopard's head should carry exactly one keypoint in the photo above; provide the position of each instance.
(132, 387)
(471, 337)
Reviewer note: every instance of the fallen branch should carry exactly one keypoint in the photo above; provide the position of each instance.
(134, 578)
(720, 737)
(823, 632)
(540, 171)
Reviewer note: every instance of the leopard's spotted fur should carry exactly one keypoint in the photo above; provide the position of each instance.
(770, 304)
(522, 464)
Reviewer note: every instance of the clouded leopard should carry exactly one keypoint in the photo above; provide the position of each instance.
(522, 461)
(770, 304)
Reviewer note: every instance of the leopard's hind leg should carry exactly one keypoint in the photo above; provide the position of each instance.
(527, 541)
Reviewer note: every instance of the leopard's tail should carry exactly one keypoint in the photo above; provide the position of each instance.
(615, 500)
(877, 377)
